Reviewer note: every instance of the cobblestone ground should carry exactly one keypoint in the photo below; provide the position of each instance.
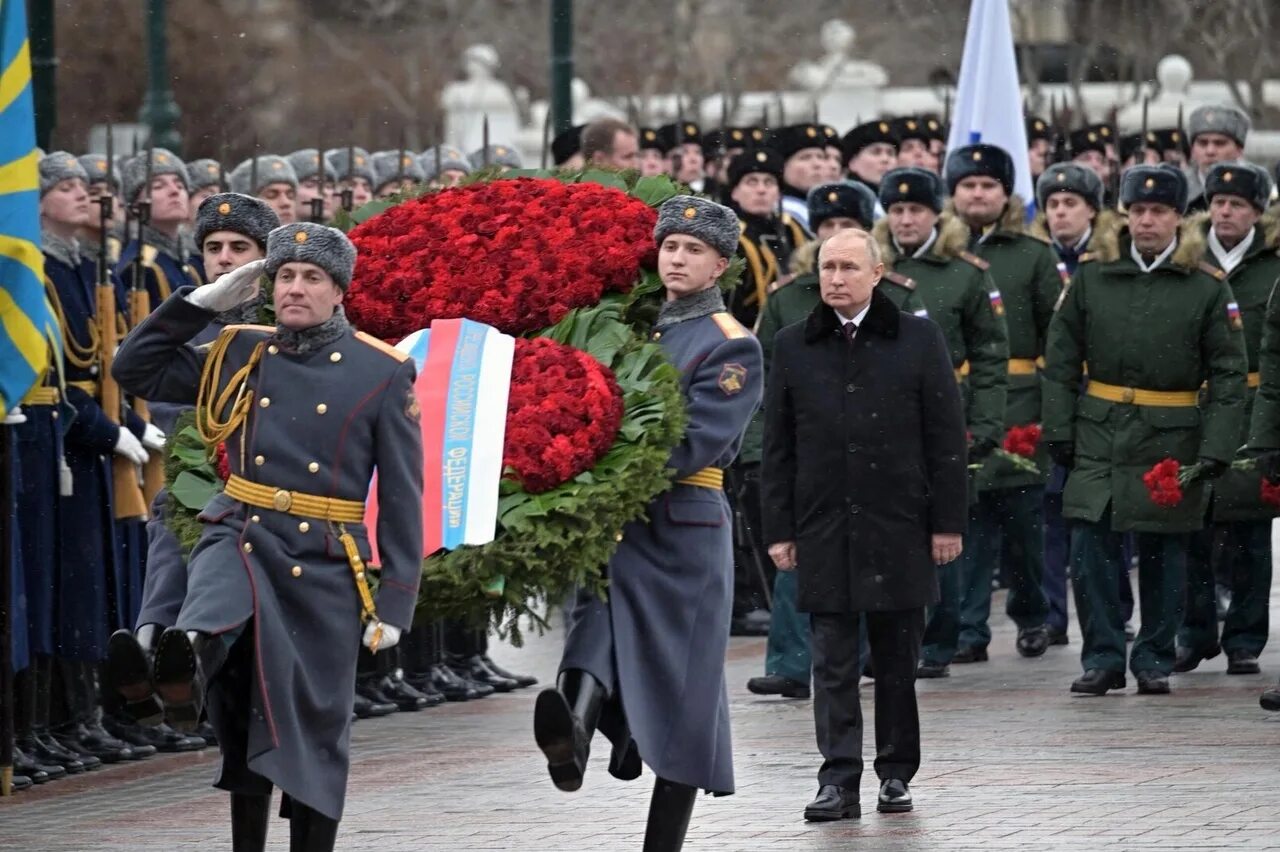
(1011, 760)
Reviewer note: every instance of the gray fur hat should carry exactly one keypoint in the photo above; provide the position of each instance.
(1069, 177)
(714, 224)
(98, 170)
(271, 169)
(385, 168)
(307, 242)
(204, 173)
(306, 165)
(1219, 118)
(360, 168)
(451, 159)
(58, 166)
(499, 155)
(241, 214)
(163, 162)
(1250, 182)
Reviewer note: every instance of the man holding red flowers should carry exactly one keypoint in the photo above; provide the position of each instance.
(646, 666)
(1153, 326)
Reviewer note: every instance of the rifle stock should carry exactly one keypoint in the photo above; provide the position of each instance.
(153, 470)
(127, 497)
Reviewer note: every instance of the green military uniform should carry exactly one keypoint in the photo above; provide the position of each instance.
(787, 652)
(1239, 522)
(1151, 339)
(960, 297)
(1008, 518)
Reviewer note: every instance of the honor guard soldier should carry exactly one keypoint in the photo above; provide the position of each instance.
(768, 237)
(206, 179)
(1153, 327)
(833, 207)
(1138, 150)
(927, 255)
(870, 150)
(104, 179)
(835, 156)
(914, 143)
(278, 584)
(164, 264)
(311, 180)
(1171, 142)
(803, 148)
(503, 156)
(1071, 218)
(444, 165)
(355, 175)
(659, 694)
(1094, 148)
(270, 178)
(651, 154)
(1040, 141)
(1242, 251)
(719, 148)
(1007, 521)
(395, 172)
(566, 148)
(681, 146)
(1218, 134)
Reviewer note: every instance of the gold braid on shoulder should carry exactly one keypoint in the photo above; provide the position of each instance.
(209, 402)
(78, 355)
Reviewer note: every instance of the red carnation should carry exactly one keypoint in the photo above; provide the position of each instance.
(1270, 493)
(1164, 484)
(222, 463)
(1023, 440)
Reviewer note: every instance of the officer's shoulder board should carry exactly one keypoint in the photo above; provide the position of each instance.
(1212, 271)
(729, 327)
(1087, 257)
(382, 346)
(970, 257)
(231, 331)
(899, 279)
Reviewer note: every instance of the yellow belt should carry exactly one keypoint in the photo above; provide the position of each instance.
(708, 477)
(90, 387)
(1024, 366)
(295, 502)
(1138, 396)
(962, 371)
(42, 396)
(1255, 380)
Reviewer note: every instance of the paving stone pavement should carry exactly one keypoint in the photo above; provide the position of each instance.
(1011, 761)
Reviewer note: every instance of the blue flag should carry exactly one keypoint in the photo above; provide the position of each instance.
(27, 325)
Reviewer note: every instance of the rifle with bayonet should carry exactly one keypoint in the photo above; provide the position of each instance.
(139, 310)
(317, 203)
(348, 192)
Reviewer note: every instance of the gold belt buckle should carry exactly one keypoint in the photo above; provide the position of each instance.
(282, 500)
(1127, 395)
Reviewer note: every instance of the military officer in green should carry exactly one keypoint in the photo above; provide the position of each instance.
(1243, 253)
(833, 207)
(1264, 427)
(1008, 519)
(1153, 327)
(926, 254)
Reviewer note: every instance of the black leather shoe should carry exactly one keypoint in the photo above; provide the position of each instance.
(1097, 682)
(128, 666)
(473, 668)
(895, 797)
(833, 803)
(968, 654)
(778, 685)
(404, 696)
(370, 686)
(38, 773)
(20, 783)
(453, 687)
(77, 740)
(1188, 659)
(1033, 641)
(1270, 699)
(522, 681)
(562, 739)
(176, 678)
(160, 737)
(366, 709)
(1242, 662)
(34, 748)
(206, 732)
(138, 752)
(1058, 637)
(931, 670)
(1152, 683)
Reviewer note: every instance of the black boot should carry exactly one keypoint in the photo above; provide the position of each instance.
(128, 671)
(669, 812)
(564, 720)
(249, 816)
(309, 830)
(184, 663)
(80, 694)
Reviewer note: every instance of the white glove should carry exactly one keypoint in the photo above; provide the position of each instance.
(390, 635)
(238, 285)
(14, 416)
(153, 438)
(130, 447)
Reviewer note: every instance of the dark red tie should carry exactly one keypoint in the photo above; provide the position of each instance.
(850, 329)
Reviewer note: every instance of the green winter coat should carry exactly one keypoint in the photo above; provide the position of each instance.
(1171, 329)
(792, 304)
(956, 291)
(1264, 423)
(1025, 273)
(1236, 496)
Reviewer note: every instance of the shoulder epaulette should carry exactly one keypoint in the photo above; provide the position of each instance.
(1209, 269)
(382, 346)
(970, 257)
(730, 327)
(1087, 257)
(235, 329)
(899, 279)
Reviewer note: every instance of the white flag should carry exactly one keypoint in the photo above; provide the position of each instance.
(988, 105)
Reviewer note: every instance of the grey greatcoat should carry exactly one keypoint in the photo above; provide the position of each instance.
(658, 643)
(319, 423)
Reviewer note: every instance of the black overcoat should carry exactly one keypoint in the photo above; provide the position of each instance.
(864, 457)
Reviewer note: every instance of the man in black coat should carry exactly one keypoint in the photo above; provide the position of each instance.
(864, 490)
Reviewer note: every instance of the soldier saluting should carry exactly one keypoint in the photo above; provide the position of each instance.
(276, 584)
(1153, 327)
